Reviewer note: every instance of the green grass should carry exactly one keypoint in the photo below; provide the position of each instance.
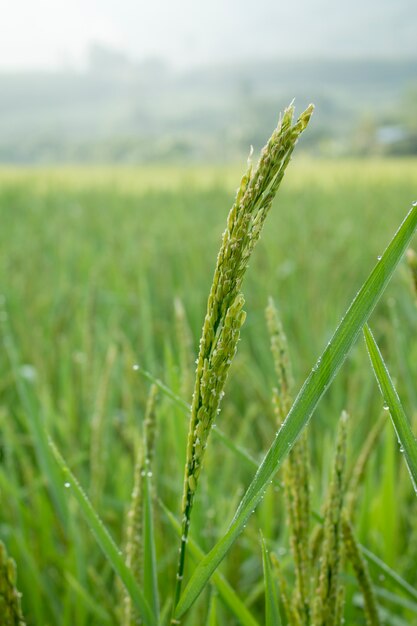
(91, 261)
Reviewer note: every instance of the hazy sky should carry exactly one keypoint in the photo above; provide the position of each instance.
(49, 33)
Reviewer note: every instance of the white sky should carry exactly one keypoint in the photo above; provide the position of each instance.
(49, 33)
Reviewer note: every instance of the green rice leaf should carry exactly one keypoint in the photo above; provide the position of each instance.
(105, 541)
(36, 426)
(406, 439)
(307, 400)
(212, 614)
(272, 614)
(226, 592)
(86, 599)
(389, 573)
(394, 599)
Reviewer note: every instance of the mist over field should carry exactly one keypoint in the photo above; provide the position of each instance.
(120, 111)
(88, 83)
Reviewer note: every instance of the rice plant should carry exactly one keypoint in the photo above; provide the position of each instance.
(225, 315)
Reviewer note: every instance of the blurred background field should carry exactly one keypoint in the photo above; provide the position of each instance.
(92, 261)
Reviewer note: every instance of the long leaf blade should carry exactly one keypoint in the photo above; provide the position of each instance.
(272, 613)
(105, 541)
(399, 419)
(36, 427)
(308, 398)
(388, 572)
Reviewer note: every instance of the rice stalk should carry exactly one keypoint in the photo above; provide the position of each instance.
(282, 362)
(361, 570)
(316, 542)
(10, 608)
(134, 528)
(295, 470)
(351, 548)
(225, 591)
(326, 605)
(292, 615)
(225, 315)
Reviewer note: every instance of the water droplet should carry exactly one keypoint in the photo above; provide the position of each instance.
(67, 485)
(136, 367)
(385, 407)
(379, 257)
(28, 372)
(401, 449)
(149, 474)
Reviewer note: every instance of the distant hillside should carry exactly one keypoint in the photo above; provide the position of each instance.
(119, 111)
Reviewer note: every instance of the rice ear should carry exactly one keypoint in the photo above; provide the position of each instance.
(225, 316)
(10, 606)
(295, 471)
(326, 605)
(361, 570)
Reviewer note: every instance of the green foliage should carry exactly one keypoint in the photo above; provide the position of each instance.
(306, 402)
(91, 263)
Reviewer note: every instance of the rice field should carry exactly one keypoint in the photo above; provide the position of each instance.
(104, 279)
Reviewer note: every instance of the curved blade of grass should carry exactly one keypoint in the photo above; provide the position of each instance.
(105, 541)
(86, 599)
(389, 573)
(226, 592)
(212, 615)
(272, 614)
(36, 427)
(406, 439)
(164, 388)
(394, 599)
(308, 398)
(150, 579)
